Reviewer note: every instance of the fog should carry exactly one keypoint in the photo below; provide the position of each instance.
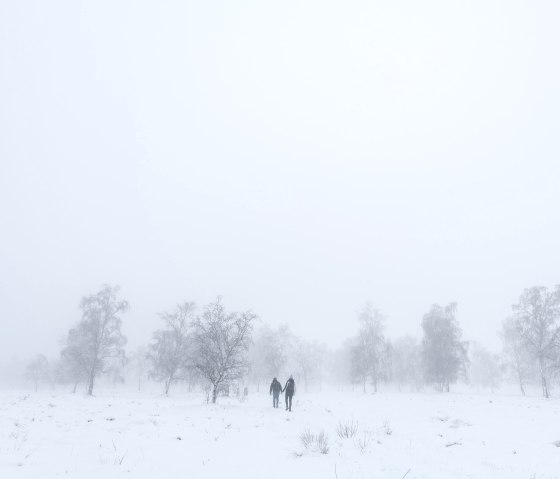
(297, 158)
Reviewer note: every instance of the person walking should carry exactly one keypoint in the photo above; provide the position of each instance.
(290, 389)
(275, 389)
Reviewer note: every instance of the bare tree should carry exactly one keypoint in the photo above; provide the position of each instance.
(258, 370)
(97, 339)
(38, 370)
(309, 357)
(138, 364)
(73, 366)
(444, 354)
(169, 350)
(340, 365)
(358, 362)
(114, 370)
(484, 368)
(220, 342)
(277, 343)
(538, 318)
(269, 353)
(406, 362)
(371, 346)
(514, 353)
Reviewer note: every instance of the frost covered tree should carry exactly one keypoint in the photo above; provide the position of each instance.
(170, 347)
(220, 344)
(73, 366)
(138, 365)
(38, 370)
(257, 368)
(517, 359)
(484, 368)
(358, 362)
(340, 365)
(96, 341)
(406, 362)
(269, 352)
(444, 354)
(538, 318)
(370, 352)
(308, 360)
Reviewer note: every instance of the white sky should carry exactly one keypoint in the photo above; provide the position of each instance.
(296, 157)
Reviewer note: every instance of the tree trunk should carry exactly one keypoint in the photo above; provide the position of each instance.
(75, 387)
(543, 378)
(521, 384)
(36, 385)
(214, 393)
(91, 380)
(167, 385)
(544, 386)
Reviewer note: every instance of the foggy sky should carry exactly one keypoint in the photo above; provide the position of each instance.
(296, 157)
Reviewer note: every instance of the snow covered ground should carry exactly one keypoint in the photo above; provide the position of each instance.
(424, 435)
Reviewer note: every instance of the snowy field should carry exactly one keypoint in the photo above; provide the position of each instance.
(422, 435)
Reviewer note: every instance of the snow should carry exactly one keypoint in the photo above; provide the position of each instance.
(123, 434)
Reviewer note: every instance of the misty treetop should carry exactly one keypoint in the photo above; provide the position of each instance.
(221, 341)
(96, 340)
(444, 354)
(537, 323)
(371, 350)
(170, 349)
(38, 370)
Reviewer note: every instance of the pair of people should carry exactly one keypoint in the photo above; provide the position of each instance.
(290, 390)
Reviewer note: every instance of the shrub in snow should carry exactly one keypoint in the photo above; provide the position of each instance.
(363, 442)
(315, 442)
(322, 442)
(307, 438)
(347, 430)
(387, 429)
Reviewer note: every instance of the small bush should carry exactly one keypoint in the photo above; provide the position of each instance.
(315, 442)
(387, 429)
(363, 442)
(347, 429)
(307, 438)
(322, 441)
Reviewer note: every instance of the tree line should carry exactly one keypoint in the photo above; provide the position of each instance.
(217, 349)
(530, 353)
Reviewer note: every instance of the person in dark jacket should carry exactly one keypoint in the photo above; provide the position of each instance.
(275, 389)
(290, 389)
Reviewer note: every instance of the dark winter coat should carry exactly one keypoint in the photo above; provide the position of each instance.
(275, 387)
(290, 387)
